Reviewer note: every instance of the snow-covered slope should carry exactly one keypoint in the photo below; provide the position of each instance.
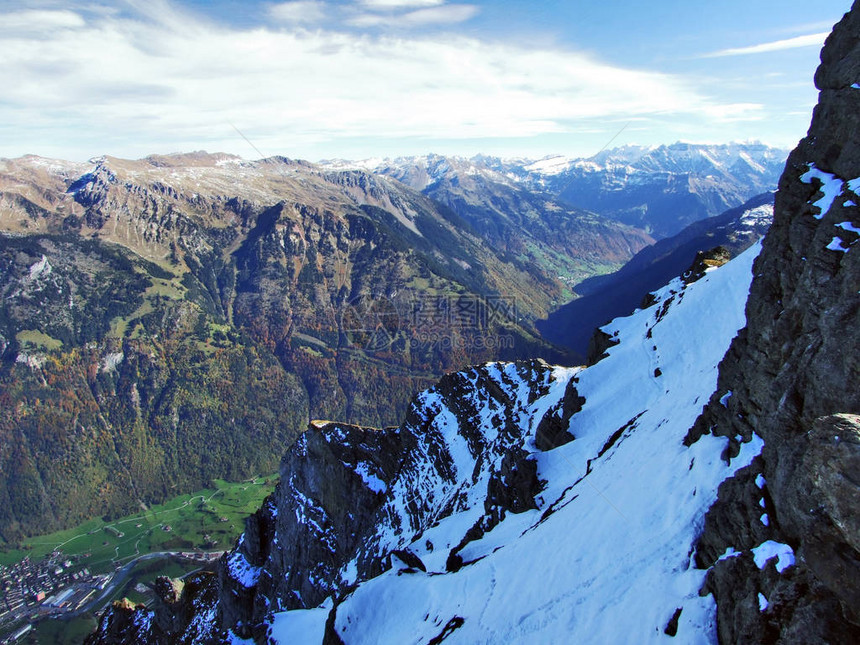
(607, 554)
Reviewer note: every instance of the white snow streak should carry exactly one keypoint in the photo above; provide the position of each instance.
(836, 245)
(831, 188)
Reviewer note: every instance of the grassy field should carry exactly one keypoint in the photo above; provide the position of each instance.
(35, 339)
(61, 632)
(160, 287)
(209, 519)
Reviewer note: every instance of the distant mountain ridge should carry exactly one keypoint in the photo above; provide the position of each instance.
(660, 189)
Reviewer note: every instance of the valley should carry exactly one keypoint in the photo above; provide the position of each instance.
(101, 561)
(137, 294)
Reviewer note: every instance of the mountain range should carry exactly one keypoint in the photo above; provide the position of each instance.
(698, 482)
(137, 294)
(660, 189)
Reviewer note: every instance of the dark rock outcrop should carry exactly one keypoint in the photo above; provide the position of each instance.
(791, 378)
(715, 257)
(184, 611)
(331, 523)
(552, 431)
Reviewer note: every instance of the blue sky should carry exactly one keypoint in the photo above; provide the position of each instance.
(321, 79)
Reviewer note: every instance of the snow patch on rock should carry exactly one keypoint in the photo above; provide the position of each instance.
(831, 188)
(769, 550)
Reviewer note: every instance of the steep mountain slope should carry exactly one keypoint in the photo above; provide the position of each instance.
(590, 528)
(791, 377)
(605, 297)
(484, 516)
(97, 420)
(169, 320)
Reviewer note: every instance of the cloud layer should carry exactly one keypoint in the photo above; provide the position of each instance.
(165, 79)
(809, 40)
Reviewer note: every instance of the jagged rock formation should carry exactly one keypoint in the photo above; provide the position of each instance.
(705, 260)
(353, 496)
(791, 377)
(183, 607)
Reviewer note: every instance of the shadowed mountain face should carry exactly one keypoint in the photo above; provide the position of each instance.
(605, 297)
(178, 318)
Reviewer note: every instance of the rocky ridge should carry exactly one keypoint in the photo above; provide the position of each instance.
(354, 499)
(791, 378)
(520, 219)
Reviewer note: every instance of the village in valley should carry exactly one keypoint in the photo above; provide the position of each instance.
(76, 573)
(53, 585)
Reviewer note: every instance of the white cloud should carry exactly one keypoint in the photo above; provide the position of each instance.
(400, 4)
(123, 86)
(28, 22)
(442, 15)
(809, 40)
(300, 11)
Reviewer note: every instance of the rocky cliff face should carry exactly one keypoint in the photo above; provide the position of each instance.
(791, 377)
(353, 498)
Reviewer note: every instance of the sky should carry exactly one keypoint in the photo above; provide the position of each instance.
(352, 79)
